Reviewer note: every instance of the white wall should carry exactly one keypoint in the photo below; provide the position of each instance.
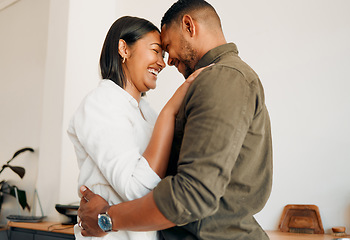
(76, 32)
(299, 48)
(89, 22)
(23, 31)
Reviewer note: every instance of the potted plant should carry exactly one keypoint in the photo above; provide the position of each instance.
(12, 190)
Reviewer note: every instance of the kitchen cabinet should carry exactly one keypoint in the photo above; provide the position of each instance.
(40, 231)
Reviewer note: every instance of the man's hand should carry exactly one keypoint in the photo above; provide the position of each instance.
(90, 206)
(137, 215)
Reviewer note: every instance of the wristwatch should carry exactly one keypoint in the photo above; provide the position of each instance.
(104, 222)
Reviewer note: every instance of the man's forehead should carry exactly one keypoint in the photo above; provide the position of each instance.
(163, 32)
(164, 37)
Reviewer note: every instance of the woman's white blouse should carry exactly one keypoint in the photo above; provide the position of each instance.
(109, 136)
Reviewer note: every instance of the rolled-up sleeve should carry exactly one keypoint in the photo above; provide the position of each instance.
(219, 108)
(106, 133)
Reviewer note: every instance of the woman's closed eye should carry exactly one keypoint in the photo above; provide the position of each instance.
(159, 51)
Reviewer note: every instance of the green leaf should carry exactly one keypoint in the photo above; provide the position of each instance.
(19, 170)
(20, 151)
(22, 198)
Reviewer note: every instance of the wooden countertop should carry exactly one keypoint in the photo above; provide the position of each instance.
(68, 229)
(277, 235)
(44, 226)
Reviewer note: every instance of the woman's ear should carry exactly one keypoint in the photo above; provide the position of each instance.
(123, 48)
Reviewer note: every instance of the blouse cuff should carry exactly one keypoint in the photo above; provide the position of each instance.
(145, 174)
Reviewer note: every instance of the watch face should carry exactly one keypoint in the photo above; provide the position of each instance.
(105, 222)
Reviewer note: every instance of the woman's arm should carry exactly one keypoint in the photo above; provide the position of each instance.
(158, 150)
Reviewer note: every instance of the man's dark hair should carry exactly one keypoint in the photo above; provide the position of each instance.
(182, 7)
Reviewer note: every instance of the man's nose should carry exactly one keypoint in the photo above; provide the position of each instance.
(171, 61)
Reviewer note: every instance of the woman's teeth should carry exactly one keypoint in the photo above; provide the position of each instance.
(151, 70)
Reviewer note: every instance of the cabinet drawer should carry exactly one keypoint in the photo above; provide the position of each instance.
(21, 235)
(28, 234)
(46, 237)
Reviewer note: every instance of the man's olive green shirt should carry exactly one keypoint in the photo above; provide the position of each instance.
(220, 170)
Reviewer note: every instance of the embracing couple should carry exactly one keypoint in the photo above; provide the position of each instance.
(202, 168)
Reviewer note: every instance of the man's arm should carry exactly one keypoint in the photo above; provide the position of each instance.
(138, 215)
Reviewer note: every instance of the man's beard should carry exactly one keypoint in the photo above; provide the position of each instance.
(188, 70)
(188, 58)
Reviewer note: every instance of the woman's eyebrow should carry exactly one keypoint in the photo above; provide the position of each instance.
(157, 44)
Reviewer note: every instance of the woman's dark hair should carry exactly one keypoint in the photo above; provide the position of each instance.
(130, 29)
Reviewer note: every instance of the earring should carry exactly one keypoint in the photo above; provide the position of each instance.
(123, 60)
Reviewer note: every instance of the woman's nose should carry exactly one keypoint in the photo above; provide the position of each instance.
(161, 62)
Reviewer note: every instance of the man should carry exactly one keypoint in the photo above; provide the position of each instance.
(220, 169)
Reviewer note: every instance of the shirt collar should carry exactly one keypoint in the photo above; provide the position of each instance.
(214, 54)
(124, 93)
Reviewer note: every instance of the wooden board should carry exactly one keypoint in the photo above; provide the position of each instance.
(301, 219)
(44, 226)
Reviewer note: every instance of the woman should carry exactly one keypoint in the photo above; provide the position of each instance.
(118, 155)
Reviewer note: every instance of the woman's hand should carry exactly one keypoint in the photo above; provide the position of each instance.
(174, 103)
